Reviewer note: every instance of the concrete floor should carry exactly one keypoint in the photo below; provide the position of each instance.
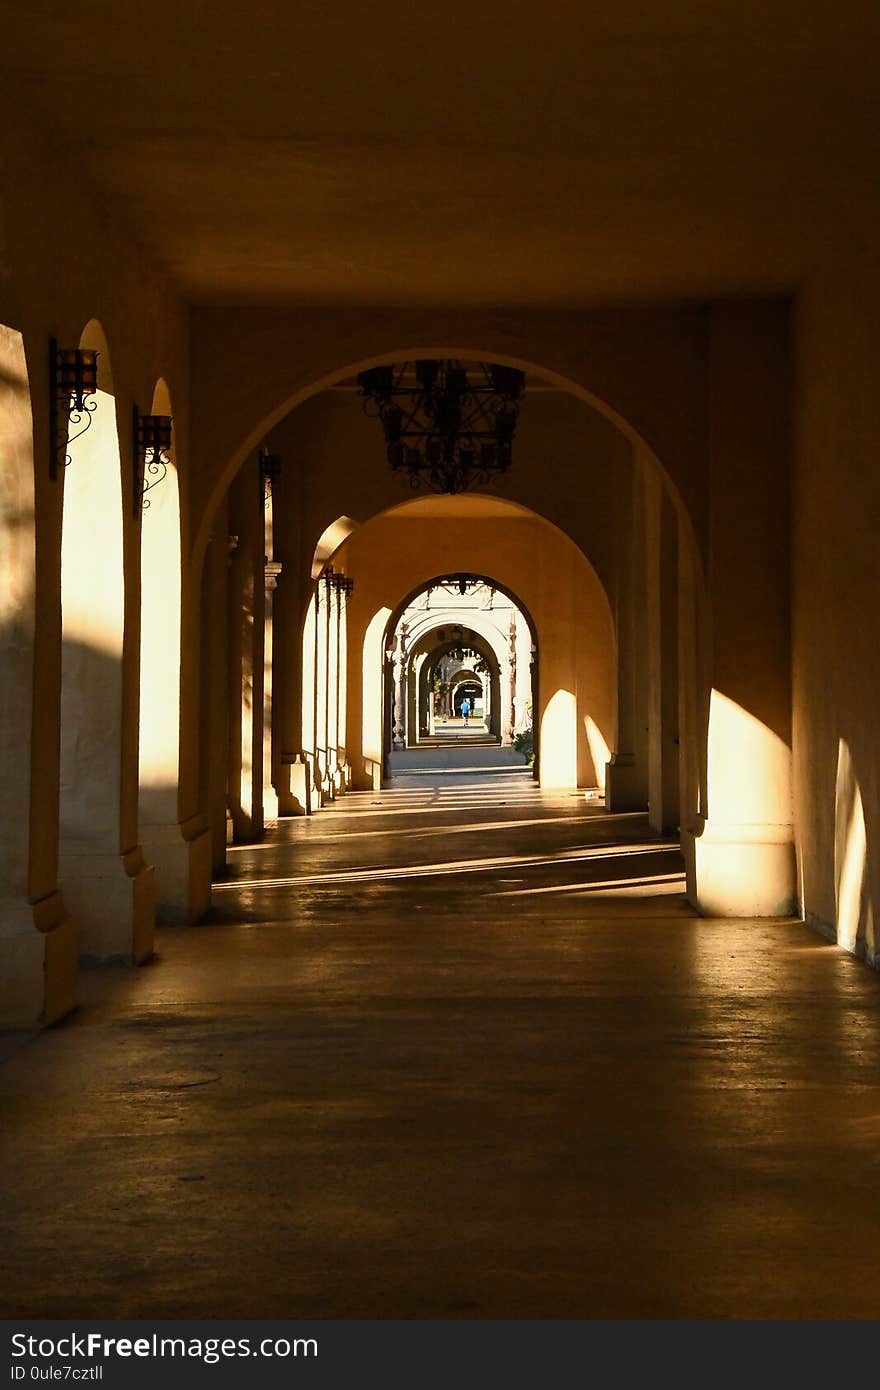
(456, 1050)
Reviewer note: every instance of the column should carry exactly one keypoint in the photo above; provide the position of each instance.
(345, 589)
(328, 678)
(335, 602)
(399, 722)
(309, 703)
(509, 732)
(742, 861)
(213, 731)
(271, 571)
(270, 797)
(319, 690)
(38, 935)
(661, 550)
(246, 598)
(291, 774)
(627, 772)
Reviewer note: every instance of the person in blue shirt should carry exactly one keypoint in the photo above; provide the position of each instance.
(465, 710)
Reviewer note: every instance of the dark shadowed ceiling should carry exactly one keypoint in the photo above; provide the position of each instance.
(484, 153)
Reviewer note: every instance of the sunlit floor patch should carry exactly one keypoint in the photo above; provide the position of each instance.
(444, 867)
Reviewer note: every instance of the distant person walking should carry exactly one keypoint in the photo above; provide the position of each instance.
(465, 710)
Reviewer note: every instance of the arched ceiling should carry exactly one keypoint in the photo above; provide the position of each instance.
(515, 154)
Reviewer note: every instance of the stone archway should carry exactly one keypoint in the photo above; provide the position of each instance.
(424, 659)
(417, 640)
(549, 483)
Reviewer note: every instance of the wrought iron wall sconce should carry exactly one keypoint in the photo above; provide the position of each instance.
(270, 468)
(73, 391)
(151, 456)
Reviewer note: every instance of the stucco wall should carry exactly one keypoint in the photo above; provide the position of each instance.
(836, 599)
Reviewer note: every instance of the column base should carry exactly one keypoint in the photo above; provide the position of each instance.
(113, 897)
(741, 870)
(270, 806)
(625, 784)
(181, 857)
(39, 947)
(295, 796)
(368, 779)
(318, 783)
(246, 830)
(166, 852)
(199, 845)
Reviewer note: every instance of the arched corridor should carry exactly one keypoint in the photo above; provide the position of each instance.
(438, 677)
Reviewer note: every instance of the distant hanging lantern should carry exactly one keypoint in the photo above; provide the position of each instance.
(464, 583)
(270, 469)
(73, 391)
(443, 427)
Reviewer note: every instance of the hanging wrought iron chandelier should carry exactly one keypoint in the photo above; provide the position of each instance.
(448, 426)
(463, 583)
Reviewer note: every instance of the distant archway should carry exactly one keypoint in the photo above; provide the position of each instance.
(424, 659)
(407, 699)
(466, 683)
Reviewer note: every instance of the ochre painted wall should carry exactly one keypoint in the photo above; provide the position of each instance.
(836, 600)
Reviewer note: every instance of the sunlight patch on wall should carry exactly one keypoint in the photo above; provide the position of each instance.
(308, 681)
(855, 910)
(373, 664)
(599, 750)
(160, 632)
(91, 542)
(559, 741)
(92, 620)
(16, 479)
(749, 767)
(329, 542)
